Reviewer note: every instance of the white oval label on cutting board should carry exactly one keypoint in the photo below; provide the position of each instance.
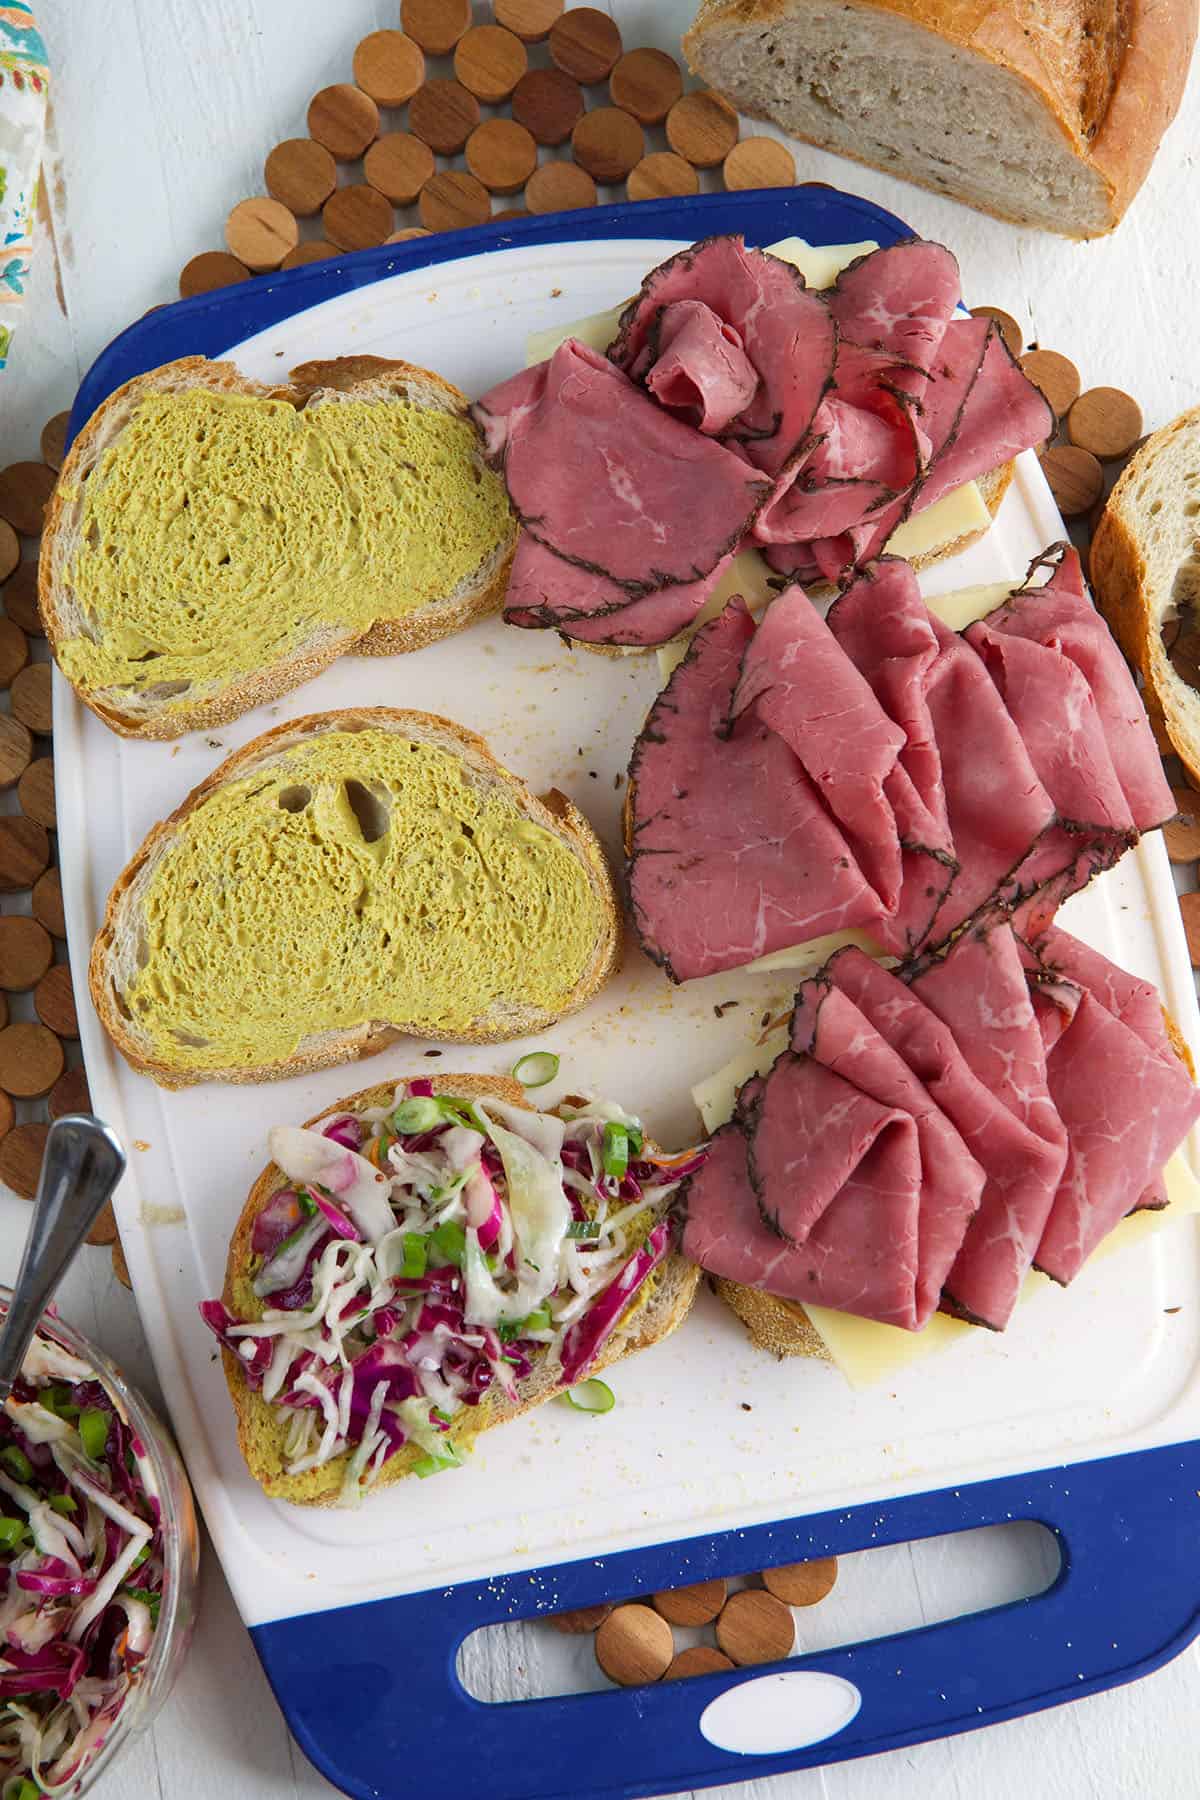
(780, 1712)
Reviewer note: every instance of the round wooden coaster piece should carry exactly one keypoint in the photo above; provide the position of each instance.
(120, 1266)
(410, 231)
(759, 162)
(698, 1604)
(1189, 906)
(802, 1584)
(755, 1627)
(489, 61)
(1182, 834)
(1105, 421)
(1056, 375)
(70, 1094)
(634, 1645)
(8, 1114)
(31, 1060)
(14, 651)
(301, 174)
(443, 115)
(1076, 478)
(26, 952)
(510, 212)
(660, 174)
(210, 270)
(530, 20)
(701, 1659)
(548, 104)
(21, 598)
(10, 550)
(399, 165)
(104, 1231)
(35, 792)
(31, 702)
(344, 119)
(581, 1620)
(436, 25)
(54, 1002)
(25, 487)
(53, 446)
(260, 232)
(452, 199)
(357, 217)
(585, 44)
(21, 1156)
(389, 66)
(608, 143)
(24, 853)
(702, 128)
(16, 750)
(47, 903)
(1010, 331)
(501, 154)
(646, 83)
(314, 251)
(559, 187)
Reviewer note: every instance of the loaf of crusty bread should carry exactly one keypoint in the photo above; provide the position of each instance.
(1044, 112)
(1145, 572)
(213, 542)
(346, 879)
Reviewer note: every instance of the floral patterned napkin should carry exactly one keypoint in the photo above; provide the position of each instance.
(23, 88)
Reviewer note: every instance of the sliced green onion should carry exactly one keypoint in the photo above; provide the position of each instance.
(21, 1789)
(149, 1598)
(614, 1151)
(93, 1431)
(63, 1503)
(57, 1399)
(586, 1230)
(538, 1320)
(140, 1558)
(11, 1533)
(446, 1458)
(537, 1069)
(416, 1255)
(17, 1463)
(450, 1242)
(422, 1113)
(592, 1396)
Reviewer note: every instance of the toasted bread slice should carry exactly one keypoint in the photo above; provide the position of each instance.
(1145, 571)
(658, 1308)
(213, 542)
(346, 879)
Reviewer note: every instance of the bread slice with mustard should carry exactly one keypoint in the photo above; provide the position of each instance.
(213, 541)
(541, 1359)
(348, 878)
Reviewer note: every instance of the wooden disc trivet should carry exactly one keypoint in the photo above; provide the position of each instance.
(54, 1002)
(21, 1158)
(35, 793)
(104, 1230)
(1182, 835)
(301, 174)
(585, 44)
(410, 231)
(24, 853)
(8, 1114)
(260, 232)
(436, 25)
(608, 143)
(21, 598)
(389, 66)
(698, 1604)
(511, 212)
(210, 270)
(1189, 906)
(14, 651)
(16, 750)
(530, 20)
(703, 129)
(70, 1094)
(357, 217)
(701, 1659)
(32, 700)
(344, 119)
(759, 162)
(10, 550)
(314, 251)
(755, 1627)
(1057, 377)
(646, 83)
(25, 487)
(1010, 331)
(559, 187)
(1076, 478)
(26, 952)
(47, 903)
(501, 154)
(634, 1645)
(661, 174)
(1105, 421)
(31, 1060)
(399, 165)
(443, 115)
(489, 62)
(54, 449)
(802, 1584)
(549, 105)
(452, 199)
(582, 1619)
(120, 1266)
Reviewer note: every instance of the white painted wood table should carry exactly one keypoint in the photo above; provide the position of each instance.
(162, 114)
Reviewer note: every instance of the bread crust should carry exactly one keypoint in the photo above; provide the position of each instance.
(553, 810)
(366, 377)
(260, 1427)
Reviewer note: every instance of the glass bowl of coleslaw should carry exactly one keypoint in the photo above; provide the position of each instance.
(98, 1564)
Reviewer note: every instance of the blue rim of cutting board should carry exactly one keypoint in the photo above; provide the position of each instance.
(371, 1691)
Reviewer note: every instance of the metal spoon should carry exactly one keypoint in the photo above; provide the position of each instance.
(82, 1165)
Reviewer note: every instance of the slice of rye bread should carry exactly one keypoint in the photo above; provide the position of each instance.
(313, 384)
(115, 953)
(783, 1328)
(659, 1307)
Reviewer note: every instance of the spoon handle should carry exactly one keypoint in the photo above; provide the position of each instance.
(83, 1163)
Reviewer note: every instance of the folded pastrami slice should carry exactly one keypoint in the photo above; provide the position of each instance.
(698, 368)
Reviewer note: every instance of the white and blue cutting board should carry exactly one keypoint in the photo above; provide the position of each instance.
(1081, 1416)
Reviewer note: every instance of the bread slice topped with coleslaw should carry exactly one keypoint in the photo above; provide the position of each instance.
(430, 1258)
